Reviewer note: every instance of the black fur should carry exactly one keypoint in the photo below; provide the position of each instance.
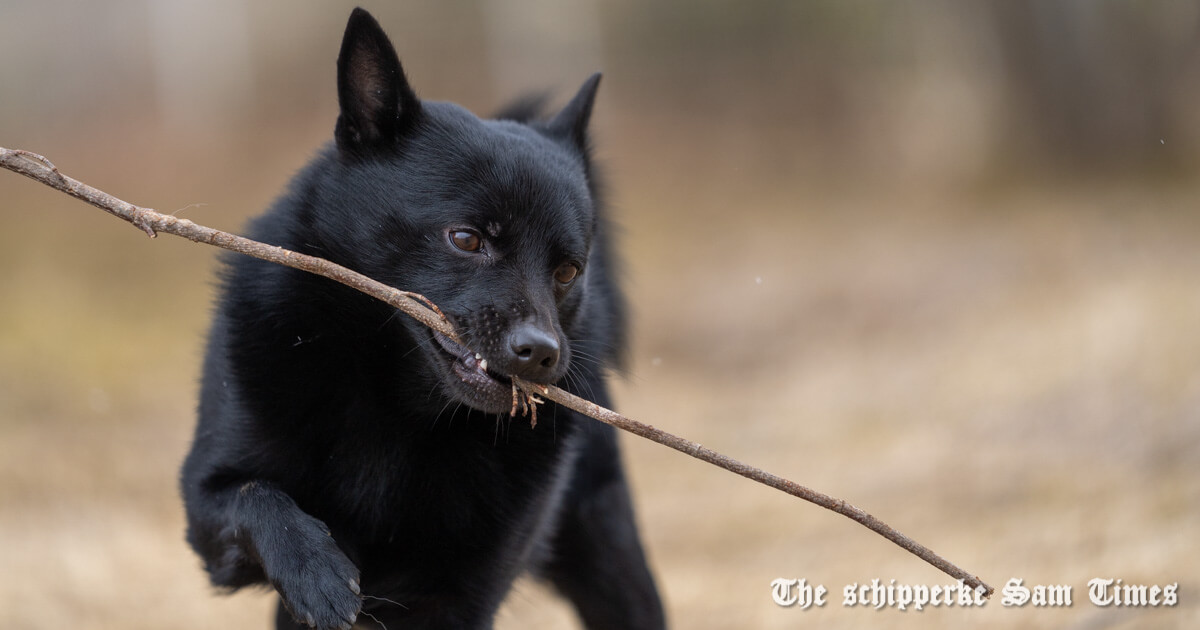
(344, 453)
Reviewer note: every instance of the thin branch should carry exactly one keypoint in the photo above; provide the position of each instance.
(38, 168)
(703, 453)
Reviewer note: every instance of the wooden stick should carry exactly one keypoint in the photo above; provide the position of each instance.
(151, 222)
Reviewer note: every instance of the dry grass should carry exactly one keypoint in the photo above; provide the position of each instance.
(1012, 380)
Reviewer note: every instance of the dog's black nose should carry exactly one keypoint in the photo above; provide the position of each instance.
(535, 353)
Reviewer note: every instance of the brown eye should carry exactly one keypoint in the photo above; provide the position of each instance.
(466, 240)
(566, 273)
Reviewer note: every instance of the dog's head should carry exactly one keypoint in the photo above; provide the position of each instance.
(493, 220)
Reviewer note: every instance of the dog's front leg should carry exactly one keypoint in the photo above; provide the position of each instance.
(317, 583)
(597, 560)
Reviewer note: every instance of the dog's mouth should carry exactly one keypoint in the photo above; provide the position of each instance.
(469, 379)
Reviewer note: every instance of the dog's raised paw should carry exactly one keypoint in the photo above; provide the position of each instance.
(317, 582)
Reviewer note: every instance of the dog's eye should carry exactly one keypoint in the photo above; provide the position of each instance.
(466, 240)
(566, 273)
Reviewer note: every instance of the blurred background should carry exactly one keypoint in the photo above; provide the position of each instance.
(939, 259)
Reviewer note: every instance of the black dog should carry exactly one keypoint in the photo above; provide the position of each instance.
(362, 464)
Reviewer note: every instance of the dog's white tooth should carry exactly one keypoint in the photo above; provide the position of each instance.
(478, 356)
(483, 364)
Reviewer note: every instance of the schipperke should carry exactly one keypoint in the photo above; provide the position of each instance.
(369, 469)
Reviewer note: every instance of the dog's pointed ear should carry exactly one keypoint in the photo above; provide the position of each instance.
(376, 102)
(572, 122)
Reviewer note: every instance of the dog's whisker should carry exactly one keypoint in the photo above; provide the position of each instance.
(384, 600)
(373, 618)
